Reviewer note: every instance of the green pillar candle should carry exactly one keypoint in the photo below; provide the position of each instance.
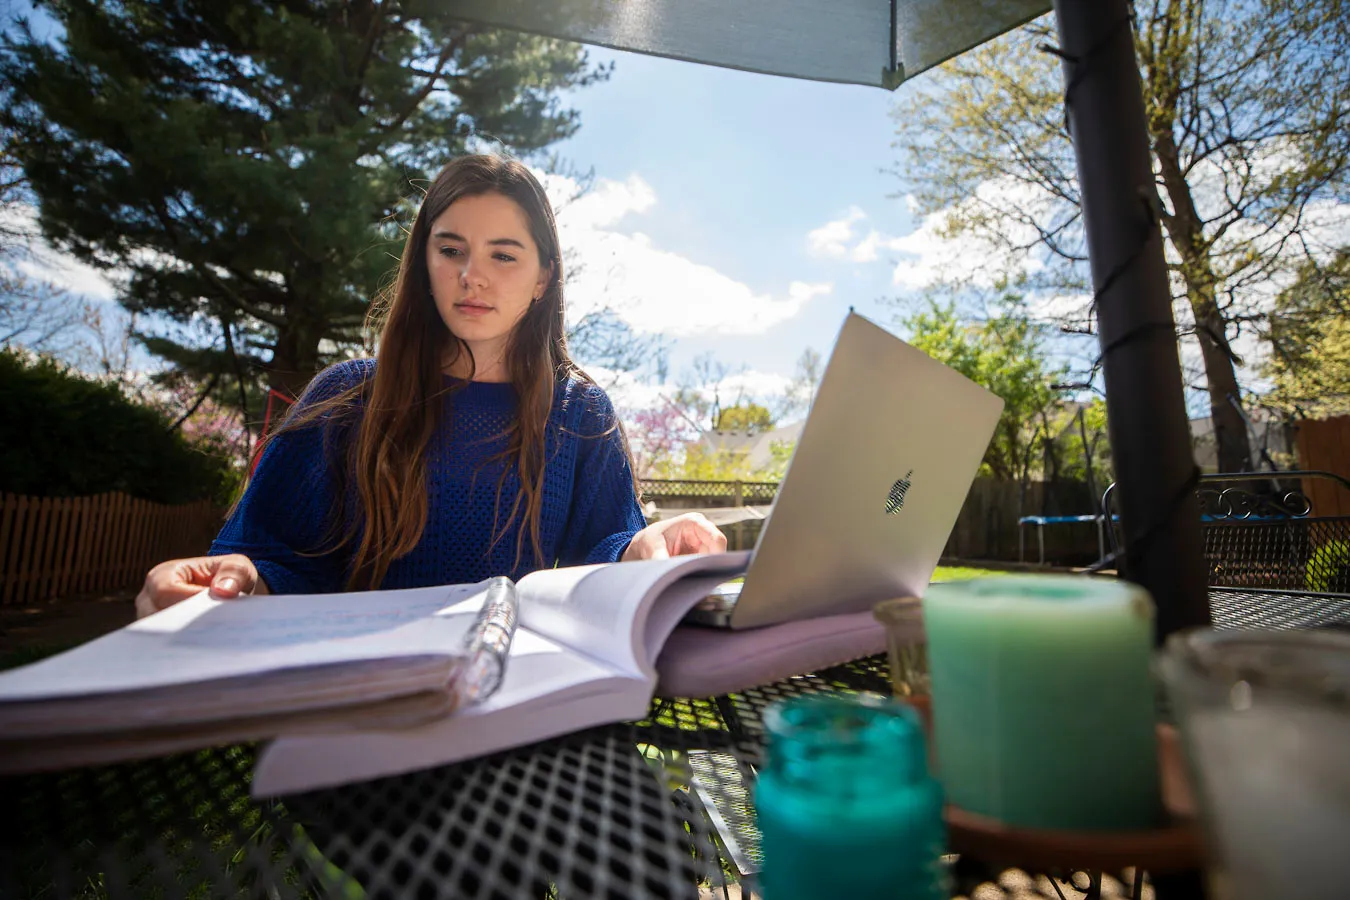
(1043, 702)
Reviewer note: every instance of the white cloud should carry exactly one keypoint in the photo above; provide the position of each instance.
(19, 218)
(839, 239)
(630, 393)
(626, 390)
(831, 239)
(752, 385)
(653, 289)
(67, 273)
(37, 260)
(929, 255)
(605, 205)
(868, 248)
(933, 255)
(803, 293)
(1066, 308)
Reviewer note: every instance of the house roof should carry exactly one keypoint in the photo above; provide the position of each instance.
(756, 446)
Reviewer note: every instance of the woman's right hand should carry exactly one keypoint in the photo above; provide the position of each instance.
(169, 582)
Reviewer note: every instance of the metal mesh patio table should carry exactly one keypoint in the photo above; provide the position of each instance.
(657, 808)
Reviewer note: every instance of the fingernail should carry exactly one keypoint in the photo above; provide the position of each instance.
(226, 586)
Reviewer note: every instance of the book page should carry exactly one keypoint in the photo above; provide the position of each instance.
(202, 639)
(602, 610)
(548, 690)
(675, 603)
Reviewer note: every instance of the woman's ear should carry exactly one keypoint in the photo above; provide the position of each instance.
(545, 278)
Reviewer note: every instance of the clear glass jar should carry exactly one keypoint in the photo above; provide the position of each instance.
(1264, 717)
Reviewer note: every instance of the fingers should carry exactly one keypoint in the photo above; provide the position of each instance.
(679, 536)
(649, 543)
(167, 584)
(145, 601)
(174, 581)
(695, 534)
(234, 575)
(714, 540)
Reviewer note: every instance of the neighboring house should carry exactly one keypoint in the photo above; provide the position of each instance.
(1265, 430)
(755, 447)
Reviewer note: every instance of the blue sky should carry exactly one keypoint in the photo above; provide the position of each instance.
(743, 168)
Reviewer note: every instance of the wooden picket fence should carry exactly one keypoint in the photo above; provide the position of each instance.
(1325, 444)
(67, 546)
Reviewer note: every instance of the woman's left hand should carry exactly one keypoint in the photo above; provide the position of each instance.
(679, 536)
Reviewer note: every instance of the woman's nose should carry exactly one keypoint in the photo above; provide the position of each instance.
(470, 275)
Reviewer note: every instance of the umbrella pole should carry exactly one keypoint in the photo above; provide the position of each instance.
(1150, 436)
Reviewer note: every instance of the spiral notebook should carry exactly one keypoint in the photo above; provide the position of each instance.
(207, 672)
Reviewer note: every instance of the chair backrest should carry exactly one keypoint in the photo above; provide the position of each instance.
(1259, 532)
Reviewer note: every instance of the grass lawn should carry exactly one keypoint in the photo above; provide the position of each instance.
(962, 573)
(947, 573)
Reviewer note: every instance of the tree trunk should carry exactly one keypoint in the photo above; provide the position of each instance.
(295, 358)
(1187, 234)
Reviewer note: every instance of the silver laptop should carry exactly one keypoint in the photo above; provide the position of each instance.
(882, 467)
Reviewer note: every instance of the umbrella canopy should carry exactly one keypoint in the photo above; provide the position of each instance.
(871, 42)
(883, 42)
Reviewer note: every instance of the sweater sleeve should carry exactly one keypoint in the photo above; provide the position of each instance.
(605, 513)
(284, 519)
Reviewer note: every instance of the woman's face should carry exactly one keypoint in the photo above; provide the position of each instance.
(485, 273)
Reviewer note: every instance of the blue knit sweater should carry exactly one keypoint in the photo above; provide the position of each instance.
(589, 512)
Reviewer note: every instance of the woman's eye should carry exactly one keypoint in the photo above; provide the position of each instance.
(450, 251)
(505, 257)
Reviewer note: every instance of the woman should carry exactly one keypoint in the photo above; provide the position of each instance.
(471, 445)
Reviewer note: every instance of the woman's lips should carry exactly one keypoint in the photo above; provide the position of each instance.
(473, 309)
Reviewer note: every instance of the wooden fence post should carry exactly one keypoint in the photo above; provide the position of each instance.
(46, 546)
(9, 564)
(70, 538)
(738, 499)
(100, 535)
(28, 518)
(85, 549)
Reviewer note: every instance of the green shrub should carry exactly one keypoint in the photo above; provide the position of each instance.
(67, 435)
(1329, 568)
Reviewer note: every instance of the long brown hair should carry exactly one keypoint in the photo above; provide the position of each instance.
(400, 407)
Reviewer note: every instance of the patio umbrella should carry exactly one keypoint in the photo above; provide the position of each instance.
(872, 42)
(884, 42)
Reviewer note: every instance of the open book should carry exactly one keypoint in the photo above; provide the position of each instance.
(207, 672)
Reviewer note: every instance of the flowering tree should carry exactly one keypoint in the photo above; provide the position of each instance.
(658, 436)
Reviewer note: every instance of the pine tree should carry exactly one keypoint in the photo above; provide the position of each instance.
(246, 166)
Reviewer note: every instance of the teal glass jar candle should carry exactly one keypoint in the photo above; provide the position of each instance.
(846, 806)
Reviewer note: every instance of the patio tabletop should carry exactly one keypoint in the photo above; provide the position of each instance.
(658, 808)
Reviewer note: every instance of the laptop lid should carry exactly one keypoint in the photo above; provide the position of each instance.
(890, 448)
